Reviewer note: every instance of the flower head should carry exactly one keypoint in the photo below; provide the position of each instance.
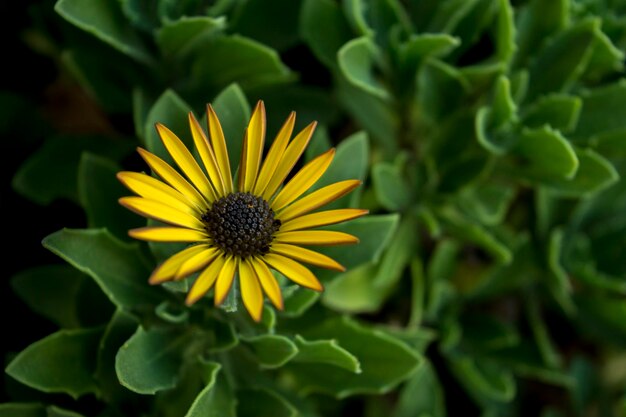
(240, 228)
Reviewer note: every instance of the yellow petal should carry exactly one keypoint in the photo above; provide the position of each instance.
(218, 142)
(205, 281)
(250, 290)
(167, 234)
(162, 212)
(294, 271)
(167, 270)
(275, 153)
(225, 279)
(288, 160)
(185, 161)
(149, 187)
(196, 263)
(307, 256)
(317, 199)
(254, 141)
(303, 180)
(316, 237)
(173, 178)
(268, 282)
(322, 218)
(207, 155)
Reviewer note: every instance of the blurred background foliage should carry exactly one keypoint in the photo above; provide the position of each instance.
(491, 138)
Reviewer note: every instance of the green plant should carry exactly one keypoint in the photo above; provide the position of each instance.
(492, 142)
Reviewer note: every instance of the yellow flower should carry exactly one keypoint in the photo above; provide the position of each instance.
(244, 228)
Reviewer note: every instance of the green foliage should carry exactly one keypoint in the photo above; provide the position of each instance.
(490, 136)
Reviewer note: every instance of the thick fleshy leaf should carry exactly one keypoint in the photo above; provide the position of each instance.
(488, 203)
(422, 395)
(440, 88)
(537, 22)
(121, 327)
(228, 59)
(485, 381)
(562, 59)
(374, 233)
(216, 398)
(546, 155)
(118, 268)
(560, 111)
(598, 114)
(365, 288)
(171, 111)
(358, 60)
(177, 37)
(98, 191)
(105, 20)
(327, 352)
(264, 402)
(51, 172)
(298, 300)
(271, 351)
(324, 43)
(51, 291)
(62, 362)
(34, 410)
(384, 360)
(150, 359)
(392, 189)
(594, 174)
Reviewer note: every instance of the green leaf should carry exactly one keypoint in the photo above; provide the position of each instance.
(299, 301)
(215, 399)
(51, 291)
(392, 189)
(150, 360)
(327, 352)
(324, 43)
(374, 233)
(62, 362)
(104, 20)
(271, 351)
(506, 32)
(384, 360)
(594, 174)
(355, 11)
(487, 202)
(365, 288)
(256, 16)
(171, 111)
(558, 282)
(177, 37)
(121, 326)
(546, 155)
(357, 61)
(536, 23)
(560, 111)
(54, 411)
(51, 172)
(264, 402)
(483, 380)
(598, 113)
(99, 190)
(422, 395)
(418, 47)
(562, 60)
(233, 110)
(485, 333)
(465, 229)
(224, 60)
(601, 317)
(503, 108)
(440, 89)
(117, 267)
(606, 58)
(22, 410)
(141, 13)
(371, 113)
